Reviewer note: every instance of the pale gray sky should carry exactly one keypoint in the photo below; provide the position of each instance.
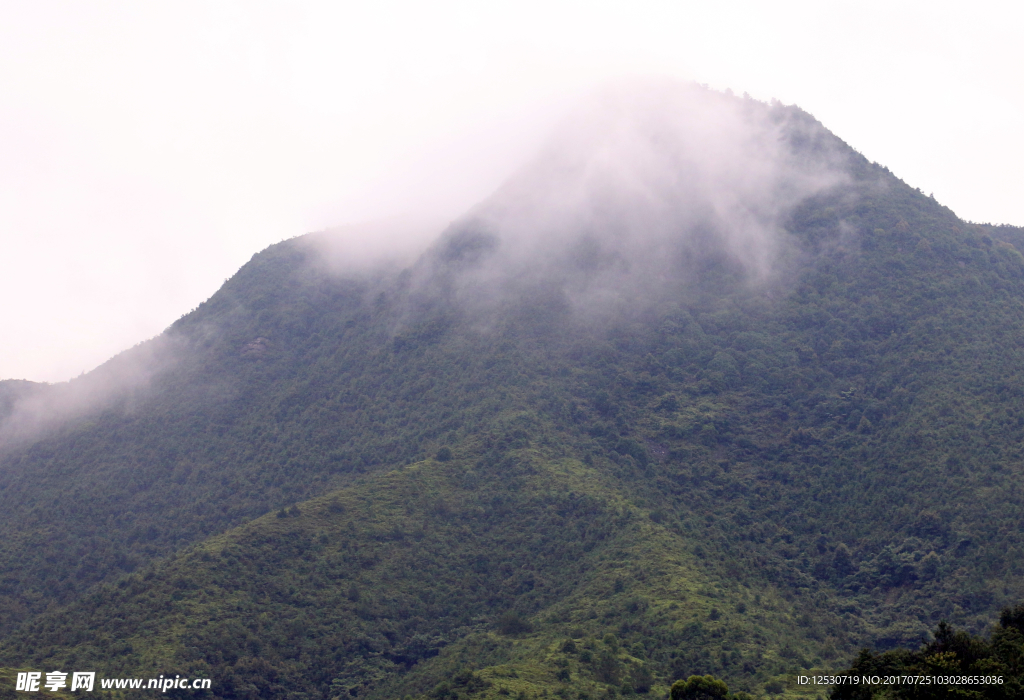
(148, 149)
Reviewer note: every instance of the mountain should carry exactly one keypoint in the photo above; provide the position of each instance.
(699, 390)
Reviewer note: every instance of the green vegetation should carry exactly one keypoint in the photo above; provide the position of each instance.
(357, 487)
(526, 570)
(699, 688)
(956, 664)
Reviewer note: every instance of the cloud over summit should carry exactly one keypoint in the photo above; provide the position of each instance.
(645, 184)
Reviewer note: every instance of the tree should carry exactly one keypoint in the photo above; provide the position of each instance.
(606, 668)
(699, 688)
(951, 654)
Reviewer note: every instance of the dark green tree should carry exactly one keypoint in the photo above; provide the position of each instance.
(990, 669)
(699, 688)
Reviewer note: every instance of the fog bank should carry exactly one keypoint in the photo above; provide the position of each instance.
(645, 187)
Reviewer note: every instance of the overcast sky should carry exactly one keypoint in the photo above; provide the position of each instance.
(148, 149)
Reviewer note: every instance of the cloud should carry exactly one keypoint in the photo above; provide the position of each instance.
(390, 242)
(643, 188)
(29, 409)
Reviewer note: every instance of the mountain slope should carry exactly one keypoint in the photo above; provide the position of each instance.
(420, 569)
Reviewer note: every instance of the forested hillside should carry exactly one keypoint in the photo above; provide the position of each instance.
(664, 434)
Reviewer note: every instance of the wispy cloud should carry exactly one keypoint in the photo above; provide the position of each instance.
(644, 185)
